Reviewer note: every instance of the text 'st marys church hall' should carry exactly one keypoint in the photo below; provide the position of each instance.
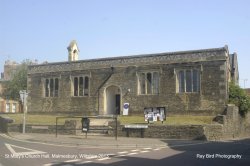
(186, 82)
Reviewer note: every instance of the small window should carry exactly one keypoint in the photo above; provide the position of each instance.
(7, 107)
(13, 107)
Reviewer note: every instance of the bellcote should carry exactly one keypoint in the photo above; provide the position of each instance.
(73, 51)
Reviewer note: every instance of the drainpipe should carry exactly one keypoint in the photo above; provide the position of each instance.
(98, 91)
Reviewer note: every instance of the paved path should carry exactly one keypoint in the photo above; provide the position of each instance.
(91, 141)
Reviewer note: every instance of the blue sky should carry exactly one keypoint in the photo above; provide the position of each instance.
(42, 29)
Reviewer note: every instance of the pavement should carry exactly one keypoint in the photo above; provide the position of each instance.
(90, 141)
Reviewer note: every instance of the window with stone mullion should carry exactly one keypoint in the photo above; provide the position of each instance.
(81, 86)
(52, 87)
(188, 81)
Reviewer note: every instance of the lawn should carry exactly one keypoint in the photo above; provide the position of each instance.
(35, 119)
(171, 120)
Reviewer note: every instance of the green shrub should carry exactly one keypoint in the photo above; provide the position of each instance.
(239, 97)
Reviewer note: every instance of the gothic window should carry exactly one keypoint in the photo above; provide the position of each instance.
(148, 83)
(51, 87)
(81, 86)
(188, 81)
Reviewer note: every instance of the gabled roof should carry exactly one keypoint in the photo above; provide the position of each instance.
(144, 59)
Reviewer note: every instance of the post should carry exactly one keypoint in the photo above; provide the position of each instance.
(56, 127)
(116, 132)
(24, 119)
(23, 96)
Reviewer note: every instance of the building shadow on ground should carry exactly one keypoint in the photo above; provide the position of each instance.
(186, 153)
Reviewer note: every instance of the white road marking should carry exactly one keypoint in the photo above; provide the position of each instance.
(144, 151)
(105, 158)
(122, 152)
(30, 151)
(147, 148)
(122, 155)
(91, 157)
(130, 154)
(157, 149)
(49, 164)
(71, 161)
(136, 150)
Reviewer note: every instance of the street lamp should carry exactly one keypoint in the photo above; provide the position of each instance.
(23, 96)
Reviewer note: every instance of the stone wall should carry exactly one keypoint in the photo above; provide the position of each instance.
(192, 132)
(234, 125)
(230, 125)
(213, 132)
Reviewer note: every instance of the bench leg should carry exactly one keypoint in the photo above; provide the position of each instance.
(127, 132)
(142, 133)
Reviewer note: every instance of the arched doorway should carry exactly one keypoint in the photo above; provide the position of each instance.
(112, 102)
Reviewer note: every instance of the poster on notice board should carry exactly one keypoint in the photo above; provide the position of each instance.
(153, 114)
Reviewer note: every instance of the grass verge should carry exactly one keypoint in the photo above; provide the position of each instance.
(171, 120)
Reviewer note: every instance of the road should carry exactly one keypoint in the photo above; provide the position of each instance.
(22, 153)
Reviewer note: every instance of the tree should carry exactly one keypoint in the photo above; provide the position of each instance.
(239, 97)
(18, 82)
